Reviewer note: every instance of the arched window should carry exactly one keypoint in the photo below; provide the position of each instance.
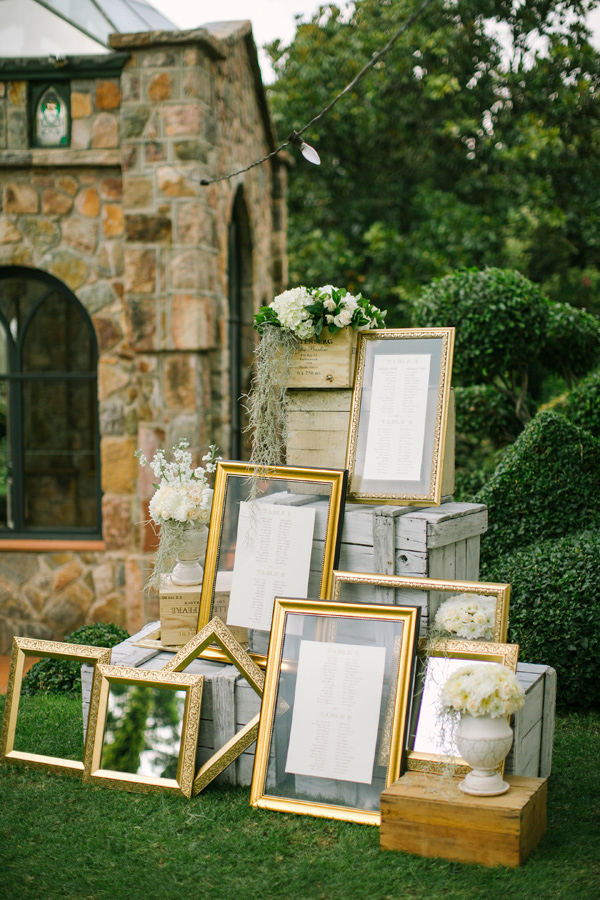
(242, 337)
(49, 440)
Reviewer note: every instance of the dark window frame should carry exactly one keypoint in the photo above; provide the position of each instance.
(15, 377)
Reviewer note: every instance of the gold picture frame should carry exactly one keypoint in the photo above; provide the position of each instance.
(399, 416)
(282, 524)
(431, 739)
(22, 648)
(334, 749)
(218, 633)
(115, 739)
(430, 594)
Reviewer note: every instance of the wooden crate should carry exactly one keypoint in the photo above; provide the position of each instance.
(430, 816)
(325, 363)
(434, 542)
(533, 726)
(228, 702)
(317, 425)
(179, 607)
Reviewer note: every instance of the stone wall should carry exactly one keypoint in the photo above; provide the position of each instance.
(122, 219)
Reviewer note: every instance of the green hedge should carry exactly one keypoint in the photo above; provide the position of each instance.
(60, 676)
(546, 485)
(554, 611)
(582, 404)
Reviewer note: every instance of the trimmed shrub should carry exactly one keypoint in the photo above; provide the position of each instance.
(572, 341)
(555, 611)
(498, 314)
(545, 486)
(582, 404)
(60, 676)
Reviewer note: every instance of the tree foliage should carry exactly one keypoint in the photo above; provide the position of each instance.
(455, 150)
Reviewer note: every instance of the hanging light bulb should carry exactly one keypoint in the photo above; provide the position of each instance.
(309, 153)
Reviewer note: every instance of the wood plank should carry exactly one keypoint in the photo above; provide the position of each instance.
(472, 565)
(308, 420)
(331, 400)
(548, 720)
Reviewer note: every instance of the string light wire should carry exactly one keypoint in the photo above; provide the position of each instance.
(294, 137)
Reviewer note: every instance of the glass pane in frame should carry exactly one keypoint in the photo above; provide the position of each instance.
(431, 746)
(399, 415)
(451, 610)
(334, 714)
(285, 538)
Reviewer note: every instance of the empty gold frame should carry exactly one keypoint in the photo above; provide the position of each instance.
(274, 533)
(21, 648)
(143, 730)
(431, 740)
(217, 633)
(452, 610)
(399, 416)
(335, 666)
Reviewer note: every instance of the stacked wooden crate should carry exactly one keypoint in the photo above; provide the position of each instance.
(228, 703)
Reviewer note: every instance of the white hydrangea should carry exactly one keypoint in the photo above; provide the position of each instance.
(482, 689)
(183, 493)
(289, 307)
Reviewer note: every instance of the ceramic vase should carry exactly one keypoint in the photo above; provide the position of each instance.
(483, 742)
(189, 568)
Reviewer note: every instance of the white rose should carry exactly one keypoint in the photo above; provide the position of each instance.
(343, 318)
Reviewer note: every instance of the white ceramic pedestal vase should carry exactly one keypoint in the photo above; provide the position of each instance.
(483, 742)
(189, 568)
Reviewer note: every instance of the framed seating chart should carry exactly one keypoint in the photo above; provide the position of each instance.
(335, 708)
(273, 534)
(399, 416)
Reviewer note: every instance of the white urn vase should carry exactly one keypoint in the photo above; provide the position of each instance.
(483, 742)
(190, 559)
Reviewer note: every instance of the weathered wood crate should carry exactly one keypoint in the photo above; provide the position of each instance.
(325, 363)
(533, 726)
(228, 701)
(434, 542)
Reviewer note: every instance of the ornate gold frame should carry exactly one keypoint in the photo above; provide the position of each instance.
(470, 651)
(217, 632)
(335, 478)
(271, 707)
(94, 774)
(21, 648)
(407, 582)
(400, 494)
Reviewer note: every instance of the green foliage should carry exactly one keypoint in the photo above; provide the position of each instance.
(546, 486)
(454, 150)
(555, 611)
(61, 676)
(572, 342)
(582, 404)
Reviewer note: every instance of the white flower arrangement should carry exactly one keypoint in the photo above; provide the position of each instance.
(468, 616)
(306, 312)
(482, 689)
(183, 498)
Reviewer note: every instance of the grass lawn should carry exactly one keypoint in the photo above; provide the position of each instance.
(61, 839)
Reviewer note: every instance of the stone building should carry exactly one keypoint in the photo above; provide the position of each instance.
(127, 291)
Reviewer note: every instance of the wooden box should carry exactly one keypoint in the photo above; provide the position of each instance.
(433, 542)
(179, 607)
(325, 363)
(228, 701)
(430, 816)
(317, 426)
(533, 726)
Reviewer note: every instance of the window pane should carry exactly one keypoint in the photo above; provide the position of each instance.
(57, 339)
(17, 298)
(59, 454)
